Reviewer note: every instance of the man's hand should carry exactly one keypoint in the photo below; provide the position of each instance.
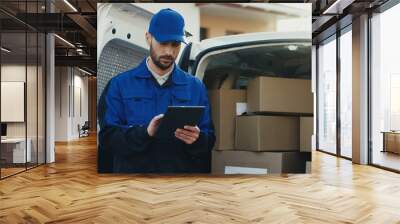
(189, 134)
(154, 123)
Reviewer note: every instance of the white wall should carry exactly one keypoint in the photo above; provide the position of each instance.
(61, 103)
(291, 25)
(301, 23)
(68, 83)
(80, 83)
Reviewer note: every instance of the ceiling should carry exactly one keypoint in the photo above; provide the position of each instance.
(74, 21)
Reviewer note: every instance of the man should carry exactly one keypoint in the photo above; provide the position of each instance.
(132, 105)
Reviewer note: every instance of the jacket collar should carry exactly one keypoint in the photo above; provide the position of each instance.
(178, 76)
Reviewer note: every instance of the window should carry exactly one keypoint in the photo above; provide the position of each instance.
(327, 96)
(395, 102)
(346, 93)
(385, 89)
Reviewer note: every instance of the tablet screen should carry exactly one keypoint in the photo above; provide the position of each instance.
(178, 117)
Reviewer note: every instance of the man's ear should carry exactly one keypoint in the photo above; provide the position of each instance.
(148, 38)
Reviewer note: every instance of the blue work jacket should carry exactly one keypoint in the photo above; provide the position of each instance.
(126, 107)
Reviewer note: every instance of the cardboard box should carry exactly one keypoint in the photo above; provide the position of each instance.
(271, 94)
(223, 109)
(273, 162)
(306, 132)
(267, 133)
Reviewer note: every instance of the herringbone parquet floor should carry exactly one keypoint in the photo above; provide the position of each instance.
(70, 191)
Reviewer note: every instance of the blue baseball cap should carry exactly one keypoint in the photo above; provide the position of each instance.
(167, 25)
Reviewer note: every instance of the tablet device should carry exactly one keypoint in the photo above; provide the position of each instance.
(178, 117)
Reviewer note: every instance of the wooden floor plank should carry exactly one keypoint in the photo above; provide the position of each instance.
(71, 191)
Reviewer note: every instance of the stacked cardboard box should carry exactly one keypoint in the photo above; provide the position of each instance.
(272, 162)
(273, 135)
(223, 112)
(281, 95)
(306, 132)
(267, 133)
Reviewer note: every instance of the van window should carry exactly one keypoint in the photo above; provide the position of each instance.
(233, 69)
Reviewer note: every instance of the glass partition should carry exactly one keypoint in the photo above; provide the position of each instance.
(13, 89)
(22, 77)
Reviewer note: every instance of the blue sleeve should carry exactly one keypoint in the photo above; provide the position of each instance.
(115, 135)
(206, 140)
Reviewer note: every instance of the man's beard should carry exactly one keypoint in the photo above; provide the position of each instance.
(157, 61)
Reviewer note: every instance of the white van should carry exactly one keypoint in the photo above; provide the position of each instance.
(248, 55)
